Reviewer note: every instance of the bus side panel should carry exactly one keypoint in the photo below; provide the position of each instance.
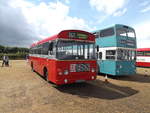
(107, 41)
(52, 72)
(143, 61)
(38, 65)
(33, 60)
(143, 64)
(125, 68)
(42, 64)
(118, 68)
(126, 42)
(108, 67)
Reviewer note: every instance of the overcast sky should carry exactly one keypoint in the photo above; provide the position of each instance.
(23, 22)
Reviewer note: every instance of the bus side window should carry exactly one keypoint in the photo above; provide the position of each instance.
(110, 54)
(45, 48)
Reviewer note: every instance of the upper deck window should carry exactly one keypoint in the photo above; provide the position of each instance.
(125, 31)
(107, 32)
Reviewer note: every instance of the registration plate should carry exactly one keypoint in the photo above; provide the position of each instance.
(79, 81)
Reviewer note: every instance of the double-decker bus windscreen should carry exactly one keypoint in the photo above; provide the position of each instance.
(125, 31)
(75, 50)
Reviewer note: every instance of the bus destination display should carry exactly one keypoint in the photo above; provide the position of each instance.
(76, 35)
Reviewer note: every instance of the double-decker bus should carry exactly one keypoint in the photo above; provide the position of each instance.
(116, 50)
(65, 58)
(143, 57)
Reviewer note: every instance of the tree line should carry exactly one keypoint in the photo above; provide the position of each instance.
(4, 49)
(14, 52)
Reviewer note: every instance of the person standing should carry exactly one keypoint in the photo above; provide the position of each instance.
(7, 61)
(4, 60)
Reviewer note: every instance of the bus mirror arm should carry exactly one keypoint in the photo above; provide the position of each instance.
(97, 47)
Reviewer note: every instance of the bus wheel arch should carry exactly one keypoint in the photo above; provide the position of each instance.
(32, 67)
(45, 73)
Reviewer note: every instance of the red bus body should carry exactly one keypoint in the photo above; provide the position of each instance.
(143, 57)
(56, 68)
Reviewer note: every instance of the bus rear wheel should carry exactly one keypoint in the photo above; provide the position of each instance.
(32, 68)
(46, 74)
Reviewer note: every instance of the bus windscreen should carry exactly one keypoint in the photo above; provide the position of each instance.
(75, 50)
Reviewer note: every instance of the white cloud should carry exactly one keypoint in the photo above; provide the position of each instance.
(49, 18)
(107, 6)
(67, 1)
(146, 9)
(120, 13)
(145, 3)
(143, 34)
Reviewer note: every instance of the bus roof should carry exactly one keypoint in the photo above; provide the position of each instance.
(143, 49)
(114, 25)
(65, 35)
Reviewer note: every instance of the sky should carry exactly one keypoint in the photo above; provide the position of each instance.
(23, 22)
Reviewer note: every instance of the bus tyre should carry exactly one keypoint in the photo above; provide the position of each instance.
(32, 68)
(46, 75)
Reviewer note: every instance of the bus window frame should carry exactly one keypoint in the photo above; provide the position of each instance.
(113, 29)
(146, 52)
(77, 51)
(110, 55)
(126, 30)
(127, 55)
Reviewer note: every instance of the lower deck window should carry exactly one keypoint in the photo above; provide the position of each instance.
(110, 54)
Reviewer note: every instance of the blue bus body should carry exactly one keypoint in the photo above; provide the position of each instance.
(116, 50)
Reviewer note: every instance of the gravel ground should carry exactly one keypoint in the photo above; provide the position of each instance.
(23, 91)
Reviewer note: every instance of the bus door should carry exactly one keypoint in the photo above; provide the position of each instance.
(100, 58)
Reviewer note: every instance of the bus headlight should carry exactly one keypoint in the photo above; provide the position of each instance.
(66, 72)
(93, 77)
(93, 70)
(65, 80)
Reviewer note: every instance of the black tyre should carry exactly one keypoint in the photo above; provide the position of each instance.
(46, 74)
(32, 68)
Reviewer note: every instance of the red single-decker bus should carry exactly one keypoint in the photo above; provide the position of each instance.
(143, 57)
(65, 58)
